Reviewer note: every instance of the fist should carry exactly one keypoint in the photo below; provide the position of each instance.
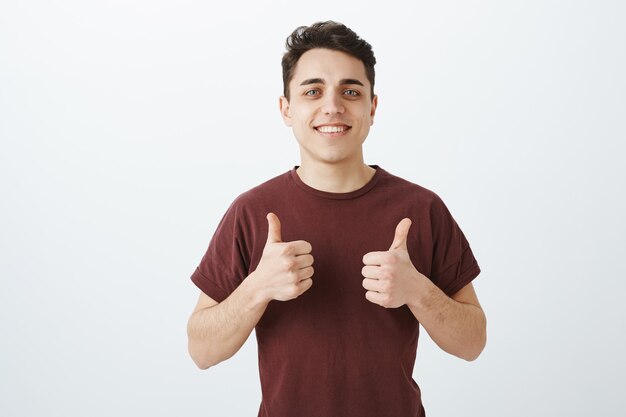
(391, 280)
(285, 269)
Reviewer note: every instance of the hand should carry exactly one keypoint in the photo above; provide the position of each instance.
(390, 277)
(284, 271)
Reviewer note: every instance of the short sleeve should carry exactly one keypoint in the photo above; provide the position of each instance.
(225, 263)
(453, 265)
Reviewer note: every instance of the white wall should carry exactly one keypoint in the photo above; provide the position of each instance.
(127, 128)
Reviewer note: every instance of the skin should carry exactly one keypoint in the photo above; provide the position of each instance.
(457, 324)
(329, 89)
(340, 97)
(216, 331)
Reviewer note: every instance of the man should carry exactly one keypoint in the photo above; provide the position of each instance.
(335, 262)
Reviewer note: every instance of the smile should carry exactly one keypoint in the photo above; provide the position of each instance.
(332, 128)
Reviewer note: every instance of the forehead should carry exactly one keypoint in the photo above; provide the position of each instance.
(329, 65)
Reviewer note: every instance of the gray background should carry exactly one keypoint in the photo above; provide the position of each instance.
(128, 127)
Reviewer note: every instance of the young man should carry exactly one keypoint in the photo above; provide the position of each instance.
(335, 262)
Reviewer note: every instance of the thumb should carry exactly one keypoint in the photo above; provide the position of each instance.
(273, 232)
(402, 230)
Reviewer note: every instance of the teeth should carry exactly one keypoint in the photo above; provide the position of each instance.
(331, 129)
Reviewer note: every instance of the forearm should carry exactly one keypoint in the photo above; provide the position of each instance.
(216, 333)
(457, 328)
(284, 272)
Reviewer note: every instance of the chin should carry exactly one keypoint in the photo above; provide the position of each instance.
(331, 159)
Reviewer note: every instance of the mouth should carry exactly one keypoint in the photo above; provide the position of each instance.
(335, 129)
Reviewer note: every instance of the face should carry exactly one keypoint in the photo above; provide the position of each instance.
(330, 108)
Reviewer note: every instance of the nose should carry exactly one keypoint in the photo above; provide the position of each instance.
(332, 104)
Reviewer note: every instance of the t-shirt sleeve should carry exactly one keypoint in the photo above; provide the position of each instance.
(225, 263)
(454, 265)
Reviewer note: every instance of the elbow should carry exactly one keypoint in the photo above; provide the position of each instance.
(201, 353)
(203, 366)
(201, 358)
(198, 349)
(205, 355)
(477, 348)
(201, 361)
(467, 351)
(472, 354)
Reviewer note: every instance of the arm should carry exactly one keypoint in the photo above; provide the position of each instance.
(216, 331)
(457, 324)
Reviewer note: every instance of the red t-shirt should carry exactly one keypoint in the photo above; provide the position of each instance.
(331, 352)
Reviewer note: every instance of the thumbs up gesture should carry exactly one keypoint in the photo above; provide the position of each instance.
(391, 280)
(285, 269)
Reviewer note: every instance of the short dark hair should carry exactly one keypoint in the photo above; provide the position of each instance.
(329, 35)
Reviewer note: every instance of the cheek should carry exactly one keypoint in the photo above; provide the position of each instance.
(301, 124)
(303, 121)
(365, 122)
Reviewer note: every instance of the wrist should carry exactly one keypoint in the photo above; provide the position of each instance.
(254, 291)
(423, 294)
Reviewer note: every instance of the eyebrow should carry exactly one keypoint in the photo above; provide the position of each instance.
(344, 81)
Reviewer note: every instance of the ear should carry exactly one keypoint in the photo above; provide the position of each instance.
(373, 111)
(283, 104)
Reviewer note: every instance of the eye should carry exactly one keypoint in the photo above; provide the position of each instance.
(352, 93)
(312, 92)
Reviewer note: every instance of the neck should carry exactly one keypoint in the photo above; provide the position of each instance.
(336, 178)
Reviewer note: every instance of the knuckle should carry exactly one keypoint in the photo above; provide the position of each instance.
(286, 250)
(288, 264)
(293, 277)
